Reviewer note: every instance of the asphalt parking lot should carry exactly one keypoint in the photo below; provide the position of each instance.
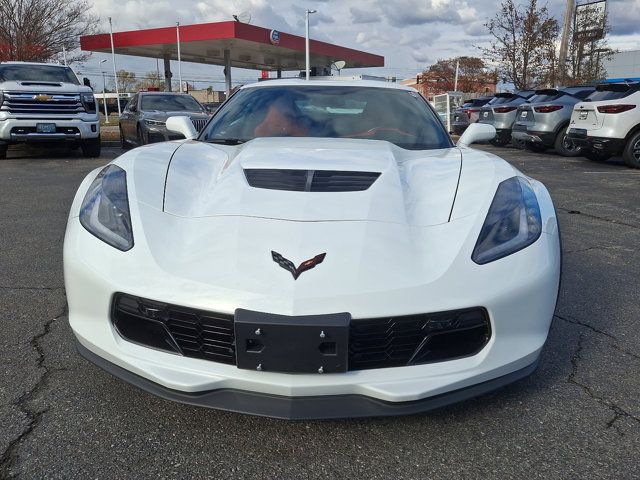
(577, 416)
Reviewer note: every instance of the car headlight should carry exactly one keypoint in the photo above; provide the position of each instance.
(512, 223)
(105, 209)
(154, 123)
(88, 102)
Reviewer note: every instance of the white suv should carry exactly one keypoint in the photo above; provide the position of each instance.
(607, 123)
(43, 102)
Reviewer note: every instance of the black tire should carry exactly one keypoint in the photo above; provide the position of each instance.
(631, 152)
(123, 143)
(565, 146)
(519, 144)
(535, 147)
(140, 138)
(597, 156)
(499, 141)
(3, 152)
(91, 147)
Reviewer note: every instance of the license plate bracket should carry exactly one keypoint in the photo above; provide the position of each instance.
(583, 115)
(45, 128)
(301, 344)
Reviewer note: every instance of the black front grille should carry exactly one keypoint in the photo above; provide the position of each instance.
(199, 123)
(373, 343)
(187, 331)
(417, 339)
(310, 180)
(41, 103)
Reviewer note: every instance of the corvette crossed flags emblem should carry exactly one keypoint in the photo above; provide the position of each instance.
(290, 267)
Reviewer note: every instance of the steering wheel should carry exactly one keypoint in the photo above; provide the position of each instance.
(375, 130)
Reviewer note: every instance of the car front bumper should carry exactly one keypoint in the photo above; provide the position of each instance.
(20, 130)
(520, 313)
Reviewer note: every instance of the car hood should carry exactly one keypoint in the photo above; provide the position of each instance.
(44, 87)
(414, 188)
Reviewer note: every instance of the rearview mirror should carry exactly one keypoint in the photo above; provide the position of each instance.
(87, 83)
(183, 125)
(477, 132)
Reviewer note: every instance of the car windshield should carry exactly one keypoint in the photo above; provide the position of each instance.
(37, 73)
(401, 117)
(170, 103)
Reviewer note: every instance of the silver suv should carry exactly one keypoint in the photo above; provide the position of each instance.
(42, 102)
(542, 121)
(501, 113)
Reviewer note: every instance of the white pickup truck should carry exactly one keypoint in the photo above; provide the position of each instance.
(42, 102)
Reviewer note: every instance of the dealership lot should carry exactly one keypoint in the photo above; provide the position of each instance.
(577, 416)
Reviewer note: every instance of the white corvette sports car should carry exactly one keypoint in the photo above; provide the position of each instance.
(321, 249)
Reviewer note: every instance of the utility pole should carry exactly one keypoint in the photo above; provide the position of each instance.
(306, 42)
(179, 58)
(104, 96)
(115, 73)
(455, 83)
(564, 43)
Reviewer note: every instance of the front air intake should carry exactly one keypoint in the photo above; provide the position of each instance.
(310, 180)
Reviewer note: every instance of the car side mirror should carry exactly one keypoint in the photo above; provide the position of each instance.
(477, 132)
(182, 125)
(87, 83)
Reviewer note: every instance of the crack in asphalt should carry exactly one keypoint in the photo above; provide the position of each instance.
(596, 217)
(50, 289)
(617, 411)
(7, 458)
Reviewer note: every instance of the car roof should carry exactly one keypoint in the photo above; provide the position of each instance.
(164, 93)
(300, 82)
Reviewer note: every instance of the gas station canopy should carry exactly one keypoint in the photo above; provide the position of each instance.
(232, 44)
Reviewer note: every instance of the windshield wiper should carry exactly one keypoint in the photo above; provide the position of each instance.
(226, 141)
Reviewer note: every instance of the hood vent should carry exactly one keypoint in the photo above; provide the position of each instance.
(44, 84)
(310, 180)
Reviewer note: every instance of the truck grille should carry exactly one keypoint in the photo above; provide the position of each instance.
(42, 103)
(373, 343)
(199, 123)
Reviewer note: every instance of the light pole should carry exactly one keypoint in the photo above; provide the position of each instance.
(104, 95)
(115, 74)
(306, 41)
(179, 59)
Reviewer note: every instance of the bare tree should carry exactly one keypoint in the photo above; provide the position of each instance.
(473, 75)
(126, 81)
(151, 80)
(37, 30)
(523, 38)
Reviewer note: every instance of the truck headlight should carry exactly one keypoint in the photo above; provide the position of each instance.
(512, 223)
(88, 102)
(105, 209)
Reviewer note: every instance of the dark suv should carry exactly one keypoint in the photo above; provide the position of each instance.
(143, 119)
(542, 121)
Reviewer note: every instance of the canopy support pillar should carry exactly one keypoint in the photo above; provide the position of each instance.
(167, 73)
(227, 72)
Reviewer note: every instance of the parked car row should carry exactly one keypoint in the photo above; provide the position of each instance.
(597, 122)
(467, 114)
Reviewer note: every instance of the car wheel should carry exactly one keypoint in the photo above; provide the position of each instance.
(597, 156)
(499, 141)
(91, 147)
(3, 152)
(140, 137)
(123, 143)
(631, 153)
(519, 144)
(565, 146)
(535, 147)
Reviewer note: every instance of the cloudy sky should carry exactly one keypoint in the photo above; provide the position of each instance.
(411, 34)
